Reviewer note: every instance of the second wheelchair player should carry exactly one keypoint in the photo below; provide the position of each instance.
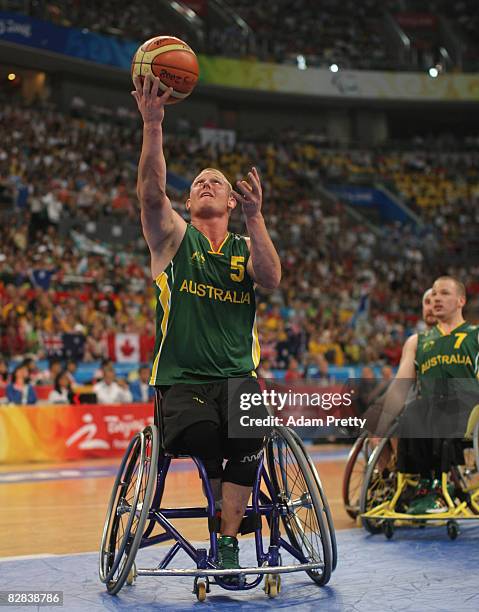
(443, 361)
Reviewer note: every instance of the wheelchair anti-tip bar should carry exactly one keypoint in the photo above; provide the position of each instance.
(280, 569)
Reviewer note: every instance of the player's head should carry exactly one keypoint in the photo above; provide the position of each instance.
(448, 298)
(428, 315)
(210, 195)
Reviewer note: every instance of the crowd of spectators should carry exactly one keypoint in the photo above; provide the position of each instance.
(27, 384)
(350, 292)
(348, 33)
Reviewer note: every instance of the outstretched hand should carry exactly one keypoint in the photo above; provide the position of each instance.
(251, 196)
(150, 104)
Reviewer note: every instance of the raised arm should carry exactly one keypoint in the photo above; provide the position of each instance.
(163, 228)
(264, 265)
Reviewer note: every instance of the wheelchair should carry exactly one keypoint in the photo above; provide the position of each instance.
(384, 488)
(354, 472)
(287, 492)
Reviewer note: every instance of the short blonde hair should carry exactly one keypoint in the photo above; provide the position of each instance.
(214, 171)
(460, 287)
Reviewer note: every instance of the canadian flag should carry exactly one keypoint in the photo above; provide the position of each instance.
(127, 348)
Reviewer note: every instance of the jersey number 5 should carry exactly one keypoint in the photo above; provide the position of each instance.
(237, 264)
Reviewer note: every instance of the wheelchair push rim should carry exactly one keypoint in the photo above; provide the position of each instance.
(379, 483)
(327, 511)
(128, 509)
(354, 473)
(299, 494)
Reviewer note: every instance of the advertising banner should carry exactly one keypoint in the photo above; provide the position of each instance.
(362, 84)
(50, 433)
(81, 44)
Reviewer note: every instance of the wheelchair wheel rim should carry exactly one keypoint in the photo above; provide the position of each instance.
(379, 482)
(295, 491)
(128, 516)
(354, 473)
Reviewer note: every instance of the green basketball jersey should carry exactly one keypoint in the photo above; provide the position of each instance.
(453, 355)
(205, 313)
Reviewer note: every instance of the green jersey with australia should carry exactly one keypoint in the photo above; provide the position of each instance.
(453, 355)
(205, 313)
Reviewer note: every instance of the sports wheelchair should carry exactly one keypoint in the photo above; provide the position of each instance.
(287, 492)
(384, 488)
(354, 472)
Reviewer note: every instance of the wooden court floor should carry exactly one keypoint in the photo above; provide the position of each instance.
(66, 515)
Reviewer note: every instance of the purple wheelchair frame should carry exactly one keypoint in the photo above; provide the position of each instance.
(269, 561)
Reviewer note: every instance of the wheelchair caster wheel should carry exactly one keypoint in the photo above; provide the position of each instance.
(388, 529)
(131, 578)
(272, 585)
(452, 529)
(200, 588)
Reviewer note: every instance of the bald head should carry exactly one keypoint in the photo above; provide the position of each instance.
(428, 315)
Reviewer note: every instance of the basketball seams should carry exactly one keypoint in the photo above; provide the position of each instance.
(172, 67)
(166, 48)
(150, 61)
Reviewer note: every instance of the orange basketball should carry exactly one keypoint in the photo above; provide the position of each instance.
(170, 59)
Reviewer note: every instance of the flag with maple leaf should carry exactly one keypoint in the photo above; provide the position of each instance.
(126, 347)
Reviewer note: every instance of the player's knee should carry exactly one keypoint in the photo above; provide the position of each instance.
(241, 469)
(214, 467)
(201, 440)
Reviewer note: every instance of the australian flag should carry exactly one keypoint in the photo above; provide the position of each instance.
(73, 346)
(64, 346)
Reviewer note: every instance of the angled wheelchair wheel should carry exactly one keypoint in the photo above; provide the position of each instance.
(298, 489)
(326, 509)
(475, 445)
(379, 481)
(354, 473)
(128, 509)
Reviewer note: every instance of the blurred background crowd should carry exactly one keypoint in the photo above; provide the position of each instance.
(75, 284)
(351, 289)
(360, 35)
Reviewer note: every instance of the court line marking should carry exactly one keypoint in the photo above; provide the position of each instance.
(54, 507)
(82, 473)
(44, 556)
(196, 543)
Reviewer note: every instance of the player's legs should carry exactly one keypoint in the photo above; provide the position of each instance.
(238, 479)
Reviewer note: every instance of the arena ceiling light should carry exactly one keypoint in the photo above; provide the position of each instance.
(301, 62)
(334, 68)
(185, 11)
(433, 72)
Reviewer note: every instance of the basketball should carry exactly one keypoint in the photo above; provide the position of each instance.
(170, 59)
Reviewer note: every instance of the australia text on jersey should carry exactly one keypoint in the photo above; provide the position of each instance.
(445, 360)
(203, 290)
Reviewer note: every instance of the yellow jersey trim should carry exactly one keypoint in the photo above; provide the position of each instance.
(255, 349)
(443, 333)
(218, 252)
(165, 301)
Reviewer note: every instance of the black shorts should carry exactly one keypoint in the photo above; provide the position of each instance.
(183, 405)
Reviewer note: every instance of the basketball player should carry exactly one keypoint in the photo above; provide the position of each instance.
(403, 444)
(449, 349)
(206, 328)
(428, 315)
